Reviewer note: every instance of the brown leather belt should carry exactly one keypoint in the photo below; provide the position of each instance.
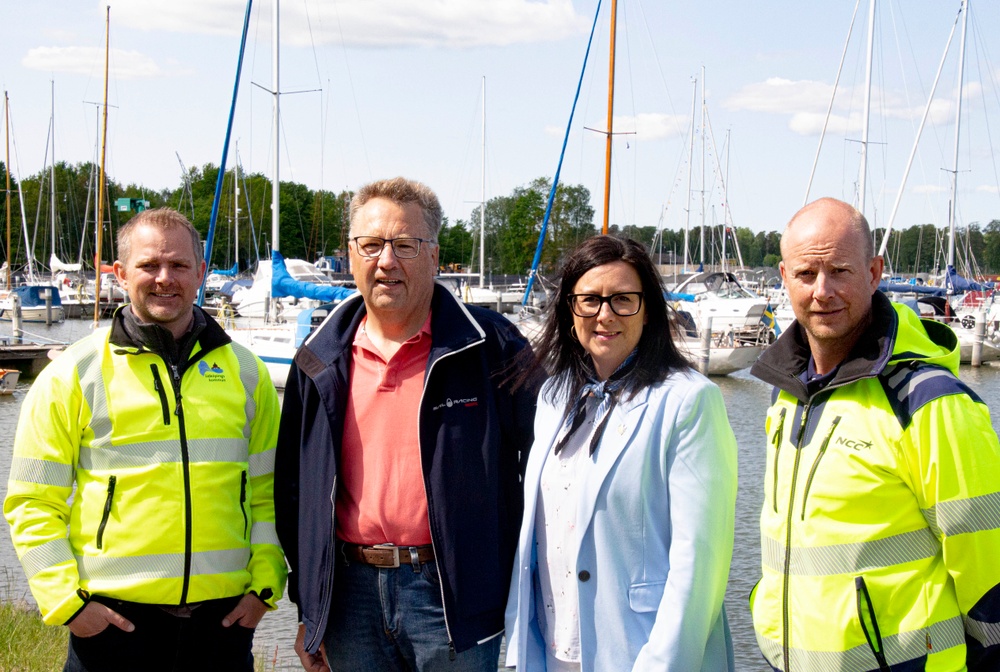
(387, 556)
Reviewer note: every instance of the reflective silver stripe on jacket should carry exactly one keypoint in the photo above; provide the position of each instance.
(264, 533)
(851, 558)
(41, 472)
(146, 453)
(249, 376)
(958, 516)
(49, 554)
(898, 648)
(88, 366)
(262, 464)
(987, 634)
(161, 565)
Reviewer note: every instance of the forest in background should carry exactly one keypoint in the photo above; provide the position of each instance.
(314, 224)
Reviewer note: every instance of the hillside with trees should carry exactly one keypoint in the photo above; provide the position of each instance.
(315, 223)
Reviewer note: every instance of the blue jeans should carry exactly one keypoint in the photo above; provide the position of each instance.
(165, 643)
(389, 620)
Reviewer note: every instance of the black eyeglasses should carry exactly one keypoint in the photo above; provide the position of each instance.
(404, 248)
(623, 304)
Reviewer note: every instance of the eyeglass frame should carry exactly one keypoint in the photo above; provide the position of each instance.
(392, 244)
(571, 300)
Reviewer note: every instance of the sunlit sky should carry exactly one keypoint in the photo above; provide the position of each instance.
(378, 88)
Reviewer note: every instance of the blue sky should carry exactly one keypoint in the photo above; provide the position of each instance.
(390, 87)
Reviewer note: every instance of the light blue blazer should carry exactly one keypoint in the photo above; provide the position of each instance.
(655, 522)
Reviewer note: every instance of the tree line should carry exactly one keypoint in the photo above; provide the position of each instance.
(315, 223)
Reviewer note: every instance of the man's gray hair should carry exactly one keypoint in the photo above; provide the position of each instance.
(401, 191)
(854, 218)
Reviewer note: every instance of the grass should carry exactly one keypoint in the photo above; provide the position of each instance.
(27, 644)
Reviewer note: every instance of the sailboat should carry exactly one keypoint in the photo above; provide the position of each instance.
(276, 333)
(33, 302)
(733, 343)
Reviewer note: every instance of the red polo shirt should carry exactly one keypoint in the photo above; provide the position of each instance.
(380, 493)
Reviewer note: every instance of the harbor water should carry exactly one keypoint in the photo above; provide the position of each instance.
(746, 401)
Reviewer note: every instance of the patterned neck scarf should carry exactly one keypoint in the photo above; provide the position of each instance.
(605, 391)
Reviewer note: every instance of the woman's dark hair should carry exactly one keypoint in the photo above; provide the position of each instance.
(563, 356)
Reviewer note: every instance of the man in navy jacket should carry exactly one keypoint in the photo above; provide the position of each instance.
(402, 443)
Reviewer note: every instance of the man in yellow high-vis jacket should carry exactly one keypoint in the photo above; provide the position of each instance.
(880, 528)
(140, 497)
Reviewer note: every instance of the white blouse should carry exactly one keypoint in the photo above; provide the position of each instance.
(556, 541)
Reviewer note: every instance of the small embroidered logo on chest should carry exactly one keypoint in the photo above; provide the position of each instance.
(853, 444)
(213, 372)
(621, 429)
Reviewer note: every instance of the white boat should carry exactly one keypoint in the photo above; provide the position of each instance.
(8, 380)
(35, 307)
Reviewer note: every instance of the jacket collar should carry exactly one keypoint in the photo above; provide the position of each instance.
(783, 363)
(130, 334)
(452, 328)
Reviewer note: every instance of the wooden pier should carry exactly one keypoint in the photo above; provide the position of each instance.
(28, 358)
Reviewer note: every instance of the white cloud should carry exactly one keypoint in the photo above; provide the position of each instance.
(811, 123)
(652, 126)
(988, 189)
(371, 23)
(783, 96)
(90, 60)
(928, 189)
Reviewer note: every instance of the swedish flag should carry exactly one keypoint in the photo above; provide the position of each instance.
(768, 319)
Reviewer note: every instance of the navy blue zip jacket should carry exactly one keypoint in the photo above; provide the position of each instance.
(473, 454)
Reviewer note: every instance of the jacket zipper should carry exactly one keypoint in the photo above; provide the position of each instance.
(327, 595)
(427, 495)
(186, 464)
(243, 499)
(112, 480)
(869, 623)
(785, 648)
(777, 451)
(162, 393)
(815, 464)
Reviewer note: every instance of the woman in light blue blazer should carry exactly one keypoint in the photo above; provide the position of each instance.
(630, 486)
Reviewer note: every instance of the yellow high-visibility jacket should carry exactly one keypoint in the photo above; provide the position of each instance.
(140, 480)
(880, 529)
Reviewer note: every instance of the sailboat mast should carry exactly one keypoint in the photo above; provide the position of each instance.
(6, 166)
(236, 209)
(863, 175)
(704, 107)
(482, 205)
(275, 79)
(958, 124)
(52, 176)
(687, 223)
(99, 223)
(611, 114)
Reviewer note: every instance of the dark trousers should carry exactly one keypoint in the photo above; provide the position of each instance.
(162, 642)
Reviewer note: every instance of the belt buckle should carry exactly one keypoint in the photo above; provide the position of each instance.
(395, 555)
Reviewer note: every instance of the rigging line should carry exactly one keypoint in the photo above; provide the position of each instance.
(833, 97)
(656, 59)
(20, 196)
(978, 43)
(555, 180)
(354, 94)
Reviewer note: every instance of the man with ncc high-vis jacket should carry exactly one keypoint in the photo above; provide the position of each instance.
(880, 529)
(140, 496)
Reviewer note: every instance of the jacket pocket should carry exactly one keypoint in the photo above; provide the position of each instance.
(869, 623)
(112, 481)
(644, 597)
(243, 501)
